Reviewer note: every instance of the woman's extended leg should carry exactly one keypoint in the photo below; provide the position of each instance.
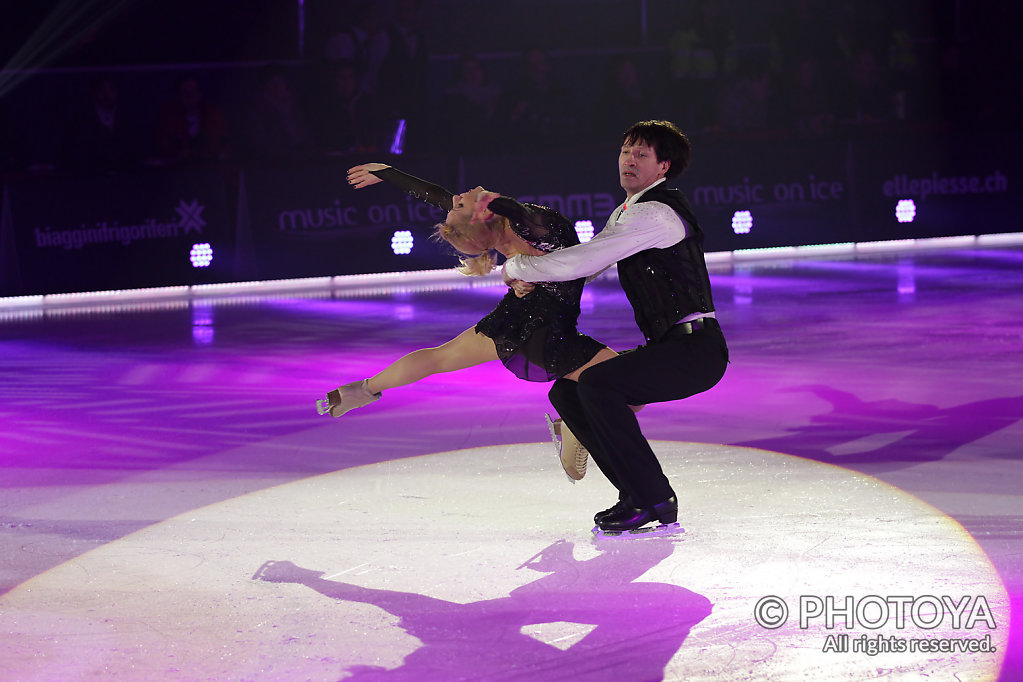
(465, 350)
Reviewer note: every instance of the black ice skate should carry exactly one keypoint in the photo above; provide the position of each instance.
(622, 520)
(645, 531)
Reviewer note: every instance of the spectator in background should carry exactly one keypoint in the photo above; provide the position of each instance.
(625, 98)
(952, 99)
(362, 43)
(967, 91)
(866, 25)
(190, 128)
(809, 27)
(810, 99)
(275, 124)
(402, 79)
(471, 105)
(347, 119)
(101, 138)
(746, 101)
(536, 109)
(866, 93)
(697, 51)
(905, 76)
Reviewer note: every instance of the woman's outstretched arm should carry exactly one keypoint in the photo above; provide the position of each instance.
(368, 174)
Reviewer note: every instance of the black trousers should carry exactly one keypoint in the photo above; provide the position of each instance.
(597, 410)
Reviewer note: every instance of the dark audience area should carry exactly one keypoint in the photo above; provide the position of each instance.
(116, 86)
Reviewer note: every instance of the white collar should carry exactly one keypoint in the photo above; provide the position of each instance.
(630, 202)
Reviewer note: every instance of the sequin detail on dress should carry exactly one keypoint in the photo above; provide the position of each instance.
(535, 336)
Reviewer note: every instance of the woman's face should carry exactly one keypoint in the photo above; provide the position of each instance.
(462, 205)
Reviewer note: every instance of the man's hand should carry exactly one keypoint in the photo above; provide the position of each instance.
(517, 285)
(360, 176)
(508, 279)
(521, 288)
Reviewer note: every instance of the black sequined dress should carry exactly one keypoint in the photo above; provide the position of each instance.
(535, 336)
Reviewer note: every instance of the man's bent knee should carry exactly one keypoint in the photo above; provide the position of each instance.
(563, 390)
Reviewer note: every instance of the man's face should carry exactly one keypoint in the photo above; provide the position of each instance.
(638, 167)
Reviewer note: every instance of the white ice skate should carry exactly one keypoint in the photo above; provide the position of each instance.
(346, 398)
(570, 451)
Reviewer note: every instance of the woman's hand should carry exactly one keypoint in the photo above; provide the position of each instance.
(481, 213)
(360, 176)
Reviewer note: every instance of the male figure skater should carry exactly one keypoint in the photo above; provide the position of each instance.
(656, 241)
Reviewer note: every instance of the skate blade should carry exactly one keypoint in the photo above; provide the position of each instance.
(557, 444)
(323, 406)
(645, 531)
(554, 434)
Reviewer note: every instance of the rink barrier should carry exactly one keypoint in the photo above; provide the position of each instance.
(350, 286)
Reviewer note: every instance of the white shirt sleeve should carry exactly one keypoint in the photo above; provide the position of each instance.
(645, 225)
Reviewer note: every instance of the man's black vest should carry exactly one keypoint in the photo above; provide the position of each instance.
(666, 285)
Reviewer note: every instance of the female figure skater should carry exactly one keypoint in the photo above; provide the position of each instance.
(532, 330)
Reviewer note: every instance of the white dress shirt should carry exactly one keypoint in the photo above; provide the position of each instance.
(632, 227)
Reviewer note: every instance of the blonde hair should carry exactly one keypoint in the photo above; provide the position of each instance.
(476, 242)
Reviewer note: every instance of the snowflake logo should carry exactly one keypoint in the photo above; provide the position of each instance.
(191, 216)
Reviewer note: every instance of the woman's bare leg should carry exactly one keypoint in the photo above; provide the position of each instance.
(604, 353)
(465, 350)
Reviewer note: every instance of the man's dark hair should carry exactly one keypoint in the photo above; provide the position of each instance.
(668, 142)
